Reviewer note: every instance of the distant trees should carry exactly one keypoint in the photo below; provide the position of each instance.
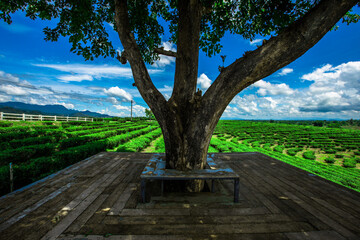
(149, 114)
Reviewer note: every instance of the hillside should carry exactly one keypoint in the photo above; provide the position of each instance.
(18, 107)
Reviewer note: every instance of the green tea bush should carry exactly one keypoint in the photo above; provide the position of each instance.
(5, 124)
(330, 151)
(160, 145)
(291, 152)
(210, 150)
(23, 154)
(339, 156)
(32, 141)
(139, 143)
(329, 160)
(349, 163)
(309, 155)
(75, 154)
(279, 148)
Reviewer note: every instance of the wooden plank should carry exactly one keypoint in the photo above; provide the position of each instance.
(229, 211)
(315, 235)
(260, 193)
(284, 204)
(88, 190)
(124, 197)
(351, 221)
(205, 229)
(315, 211)
(26, 197)
(72, 215)
(153, 212)
(28, 210)
(17, 206)
(87, 214)
(121, 182)
(324, 217)
(319, 185)
(198, 219)
(126, 237)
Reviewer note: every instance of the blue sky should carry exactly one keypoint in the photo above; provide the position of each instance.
(322, 84)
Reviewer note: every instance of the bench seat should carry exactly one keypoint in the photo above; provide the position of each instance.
(155, 170)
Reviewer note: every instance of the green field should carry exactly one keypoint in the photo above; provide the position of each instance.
(37, 149)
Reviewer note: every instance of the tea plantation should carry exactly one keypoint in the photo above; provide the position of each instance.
(37, 149)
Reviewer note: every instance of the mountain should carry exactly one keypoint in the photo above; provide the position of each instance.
(47, 110)
(6, 109)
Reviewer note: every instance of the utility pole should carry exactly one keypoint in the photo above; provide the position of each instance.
(131, 109)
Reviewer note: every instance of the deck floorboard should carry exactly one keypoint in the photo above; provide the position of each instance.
(99, 198)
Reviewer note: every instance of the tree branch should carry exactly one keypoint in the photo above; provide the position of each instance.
(148, 91)
(276, 53)
(187, 55)
(165, 52)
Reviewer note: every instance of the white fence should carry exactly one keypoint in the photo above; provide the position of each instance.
(28, 117)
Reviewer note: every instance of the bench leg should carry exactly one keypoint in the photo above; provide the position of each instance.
(142, 189)
(162, 187)
(236, 190)
(212, 185)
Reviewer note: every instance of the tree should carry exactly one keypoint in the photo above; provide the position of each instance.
(189, 117)
(149, 114)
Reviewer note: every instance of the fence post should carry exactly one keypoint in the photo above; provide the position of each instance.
(85, 120)
(77, 118)
(67, 118)
(55, 118)
(1, 115)
(41, 118)
(11, 178)
(23, 117)
(92, 120)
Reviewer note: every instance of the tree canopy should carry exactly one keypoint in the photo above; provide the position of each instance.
(84, 21)
(189, 117)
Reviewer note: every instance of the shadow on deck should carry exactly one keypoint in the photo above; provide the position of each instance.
(98, 198)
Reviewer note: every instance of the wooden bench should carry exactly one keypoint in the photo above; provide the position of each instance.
(155, 170)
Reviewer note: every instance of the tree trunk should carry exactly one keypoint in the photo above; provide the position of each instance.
(187, 142)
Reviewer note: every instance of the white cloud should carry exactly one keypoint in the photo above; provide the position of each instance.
(166, 88)
(120, 107)
(333, 93)
(89, 69)
(246, 105)
(285, 71)
(255, 41)
(75, 78)
(165, 60)
(204, 81)
(267, 88)
(273, 103)
(13, 90)
(67, 105)
(113, 100)
(8, 77)
(118, 92)
(334, 89)
(166, 91)
(4, 98)
(93, 71)
(138, 111)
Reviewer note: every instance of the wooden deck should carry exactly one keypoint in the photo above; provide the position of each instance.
(98, 198)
